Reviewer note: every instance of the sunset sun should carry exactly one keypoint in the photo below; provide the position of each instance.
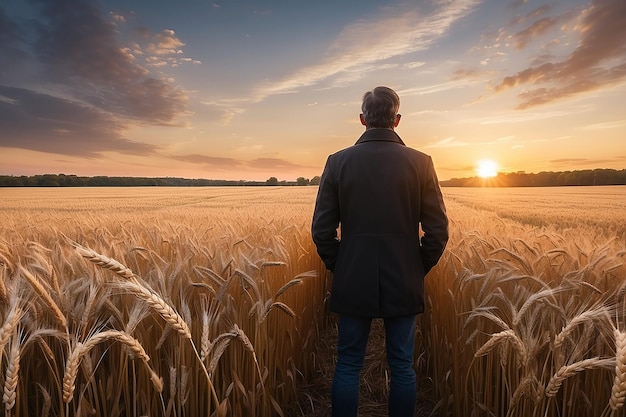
(486, 168)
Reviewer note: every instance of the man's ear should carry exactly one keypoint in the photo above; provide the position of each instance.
(397, 120)
(362, 119)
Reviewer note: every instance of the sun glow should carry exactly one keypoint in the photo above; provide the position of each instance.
(486, 168)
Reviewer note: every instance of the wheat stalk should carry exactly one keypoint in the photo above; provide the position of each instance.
(47, 400)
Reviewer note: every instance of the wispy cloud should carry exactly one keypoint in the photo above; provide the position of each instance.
(436, 88)
(510, 140)
(394, 32)
(522, 118)
(273, 164)
(615, 124)
(208, 161)
(568, 162)
(448, 143)
(257, 164)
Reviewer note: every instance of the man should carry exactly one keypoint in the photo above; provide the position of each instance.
(379, 192)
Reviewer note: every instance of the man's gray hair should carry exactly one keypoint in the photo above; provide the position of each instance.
(380, 107)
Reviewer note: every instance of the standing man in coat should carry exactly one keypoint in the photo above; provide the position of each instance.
(379, 192)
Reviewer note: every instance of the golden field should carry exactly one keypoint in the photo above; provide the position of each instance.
(200, 301)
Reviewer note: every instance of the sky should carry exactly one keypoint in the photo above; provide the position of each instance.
(247, 90)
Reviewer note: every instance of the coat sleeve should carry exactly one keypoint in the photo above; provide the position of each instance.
(434, 220)
(326, 218)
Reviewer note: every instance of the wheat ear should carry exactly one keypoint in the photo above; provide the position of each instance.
(618, 391)
(150, 297)
(570, 370)
(502, 336)
(527, 387)
(11, 376)
(288, 285)
(205, 342)
(218, 347)
(104, 261)
(41, 291)
(10, 323)
(71, 368)
(584, 317)
(241, 335)
(159, 305)
(3, 288)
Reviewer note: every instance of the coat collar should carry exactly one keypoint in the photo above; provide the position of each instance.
(385, 135)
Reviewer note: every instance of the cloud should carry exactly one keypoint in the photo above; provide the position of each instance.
(436, 88)
(414, 64)
(568, 162)
(394, 32)
(448, 143)
(519, 3)
(597, 61)
(75, 87)
(166, 43)
(522, 118)
(76, 49)
(45, 123)
(221, 112)
(272, 164)
(163, 49)
(605, 125)
(12, 47)
(208, 161)
(262, 164)
(535, 30)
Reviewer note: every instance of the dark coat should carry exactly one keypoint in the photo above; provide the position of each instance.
(379, 192)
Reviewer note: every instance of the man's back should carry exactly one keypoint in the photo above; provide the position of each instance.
(380, 187)
(379, 180)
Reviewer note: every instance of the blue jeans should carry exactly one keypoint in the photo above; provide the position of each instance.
(351, 345)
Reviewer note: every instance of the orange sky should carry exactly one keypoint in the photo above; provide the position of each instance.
(234, 90)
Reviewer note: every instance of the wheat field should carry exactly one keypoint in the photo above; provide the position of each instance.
(212, 301)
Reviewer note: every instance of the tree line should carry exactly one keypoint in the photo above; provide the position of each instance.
(63, 180)
(513, 179)
(544, 179)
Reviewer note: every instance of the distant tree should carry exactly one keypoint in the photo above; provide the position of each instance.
(315, 180)
(302, 181)
(48, 180)
(272, 181)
